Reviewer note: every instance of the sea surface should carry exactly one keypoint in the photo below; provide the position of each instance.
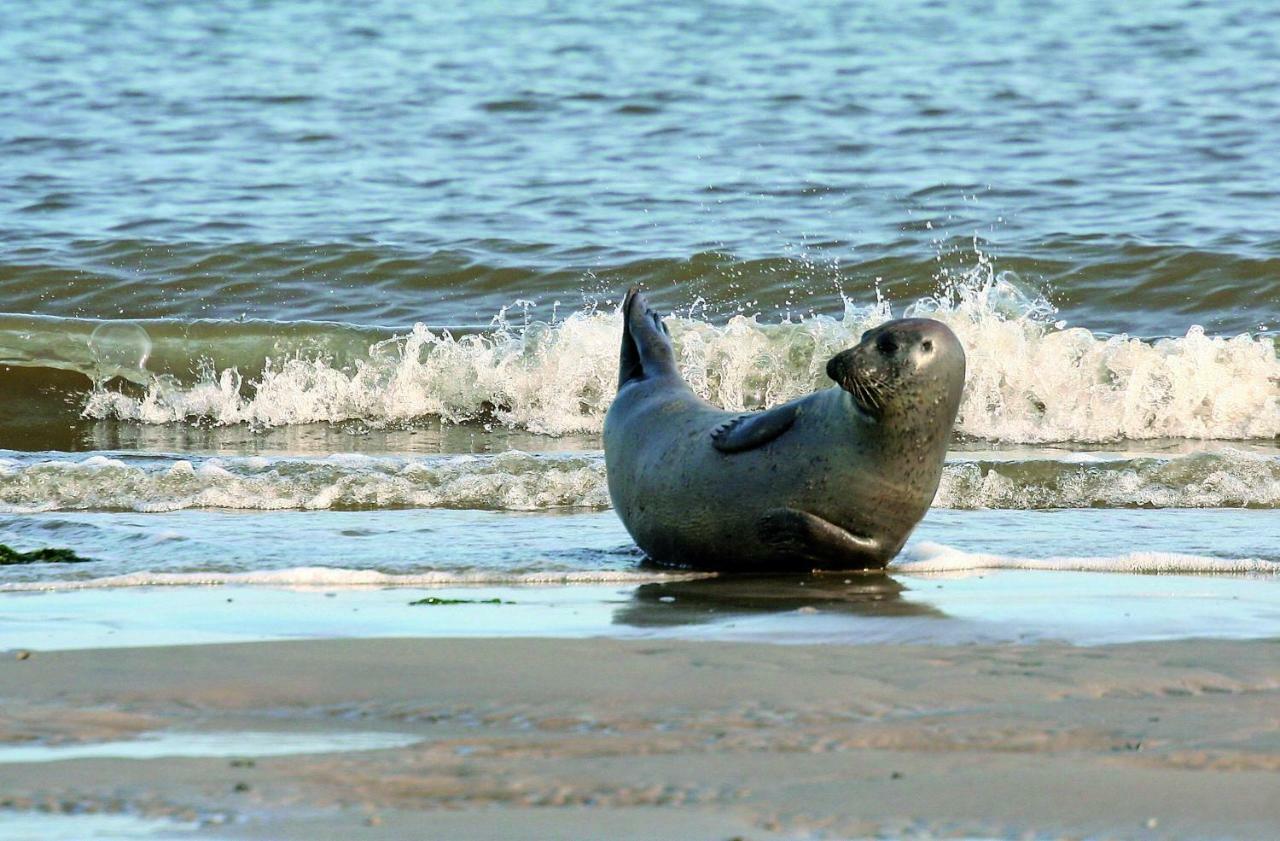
(321, 295)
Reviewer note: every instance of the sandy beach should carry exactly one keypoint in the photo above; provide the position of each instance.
(536, 738)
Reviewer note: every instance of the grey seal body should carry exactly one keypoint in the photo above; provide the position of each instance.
(834, 480)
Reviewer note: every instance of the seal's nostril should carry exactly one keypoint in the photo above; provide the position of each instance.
(887, 345)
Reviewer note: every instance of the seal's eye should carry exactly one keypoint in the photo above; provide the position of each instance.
(886, 344)
(927, 345)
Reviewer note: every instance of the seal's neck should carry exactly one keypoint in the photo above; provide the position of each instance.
(910, 434)
(919, 424)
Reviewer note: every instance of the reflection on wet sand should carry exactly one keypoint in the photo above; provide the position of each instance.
(706, 600)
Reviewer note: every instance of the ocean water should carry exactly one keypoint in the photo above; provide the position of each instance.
(304, 294)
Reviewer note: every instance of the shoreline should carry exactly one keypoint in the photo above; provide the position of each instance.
(980, 606)
(710, 739)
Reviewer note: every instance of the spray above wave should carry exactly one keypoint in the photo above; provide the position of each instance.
(516, 481)
(1030, 379)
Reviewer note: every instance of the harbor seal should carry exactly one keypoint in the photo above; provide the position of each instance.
(834, 480)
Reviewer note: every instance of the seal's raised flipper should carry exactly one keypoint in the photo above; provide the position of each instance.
(811, 538)
(646, 343)
(746, 432)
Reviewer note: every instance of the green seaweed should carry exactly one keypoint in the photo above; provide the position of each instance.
(12, 557)
(434, 600)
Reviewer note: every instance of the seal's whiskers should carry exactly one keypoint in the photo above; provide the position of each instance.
(870, 390)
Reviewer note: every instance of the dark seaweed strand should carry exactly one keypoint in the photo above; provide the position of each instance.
(12, 557)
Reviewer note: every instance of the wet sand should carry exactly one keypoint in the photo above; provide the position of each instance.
(593, 738)
(977, 607)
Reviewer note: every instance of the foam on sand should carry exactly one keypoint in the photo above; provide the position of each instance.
(336, 577)
(208, 743)
(928, 557)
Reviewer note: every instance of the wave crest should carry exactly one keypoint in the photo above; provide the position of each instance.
(512, 481)
(1030, 379)
(517, 481)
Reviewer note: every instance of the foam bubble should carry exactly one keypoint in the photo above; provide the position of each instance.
(120, 348)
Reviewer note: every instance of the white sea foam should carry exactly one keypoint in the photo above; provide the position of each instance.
(922, 558)
(517, 481)
(927, 557)
(336, 577)
(1030, 379)
(513, 481)
(1229, 478)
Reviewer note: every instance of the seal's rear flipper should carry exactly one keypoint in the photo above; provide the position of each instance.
(802, 535)
(646, 344)
(746, 432)
(629, 367)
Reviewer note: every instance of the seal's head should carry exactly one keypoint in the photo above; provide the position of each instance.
(912, 367)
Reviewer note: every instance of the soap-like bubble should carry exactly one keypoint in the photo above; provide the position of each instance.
(120, 349)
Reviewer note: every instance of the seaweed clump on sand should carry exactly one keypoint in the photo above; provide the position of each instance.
(12, 557)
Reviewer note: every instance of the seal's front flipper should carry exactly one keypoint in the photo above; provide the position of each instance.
(812, 539)
(646, 343)
(746, 432)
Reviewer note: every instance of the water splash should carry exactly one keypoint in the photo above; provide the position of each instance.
(1031, 379)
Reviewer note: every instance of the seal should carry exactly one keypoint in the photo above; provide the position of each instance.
(834, 480)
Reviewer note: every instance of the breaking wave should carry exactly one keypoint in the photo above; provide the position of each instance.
(518, 481)
(1226, 479)
(512, 481)
(1030, 379)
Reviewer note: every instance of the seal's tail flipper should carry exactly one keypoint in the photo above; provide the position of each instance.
(646, 345)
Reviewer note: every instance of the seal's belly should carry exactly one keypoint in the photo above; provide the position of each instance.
(688, 504)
